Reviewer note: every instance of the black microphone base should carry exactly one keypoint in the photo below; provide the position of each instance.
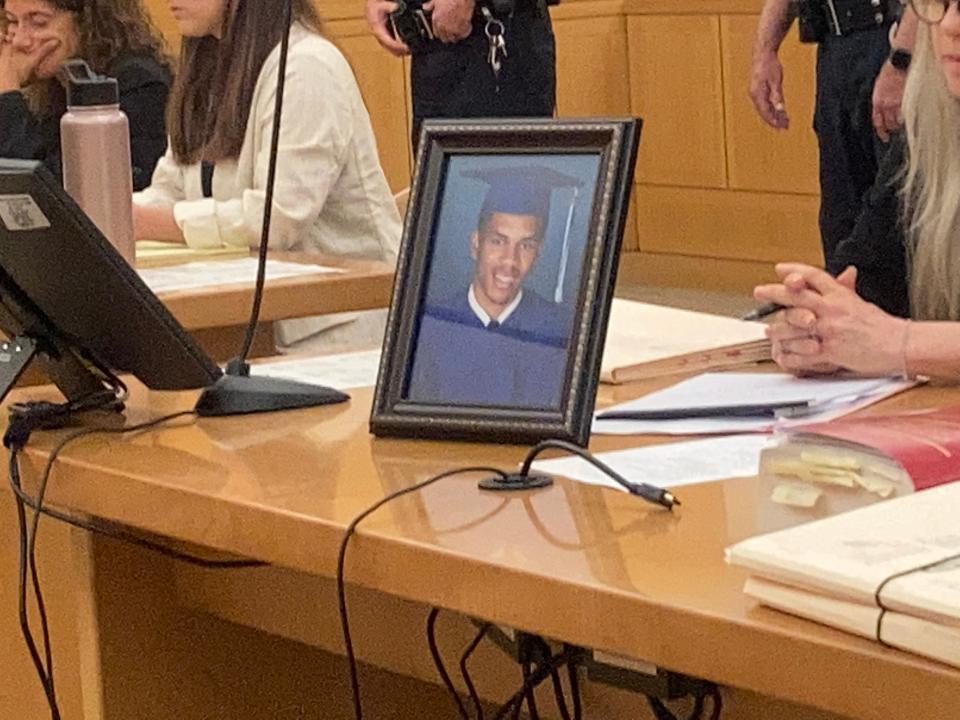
(239, 395)
(516, 481)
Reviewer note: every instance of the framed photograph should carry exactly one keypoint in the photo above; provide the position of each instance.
(504, 280)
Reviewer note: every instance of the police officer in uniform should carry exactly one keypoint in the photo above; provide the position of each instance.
(471, 58)
(852, 122)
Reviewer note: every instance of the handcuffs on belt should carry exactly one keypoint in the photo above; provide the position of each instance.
(414, 26)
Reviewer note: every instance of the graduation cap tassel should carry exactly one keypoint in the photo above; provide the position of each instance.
(564, 249)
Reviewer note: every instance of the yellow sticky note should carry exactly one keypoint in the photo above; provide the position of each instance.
(781, 466)
(876, 484)
(830, 459)
(796, 495)
(885, 471)
(832, 476)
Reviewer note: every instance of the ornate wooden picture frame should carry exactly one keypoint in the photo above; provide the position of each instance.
(504, 279)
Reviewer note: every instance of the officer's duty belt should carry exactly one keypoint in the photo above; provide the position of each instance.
(849, 16)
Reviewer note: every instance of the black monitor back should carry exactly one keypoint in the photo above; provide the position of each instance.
(63, 285)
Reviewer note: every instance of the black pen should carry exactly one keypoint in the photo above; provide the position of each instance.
(764, 311)
(710, 411)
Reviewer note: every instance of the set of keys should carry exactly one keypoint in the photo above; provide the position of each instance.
(496, 40)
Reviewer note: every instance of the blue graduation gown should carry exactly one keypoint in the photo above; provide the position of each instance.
(520, 363)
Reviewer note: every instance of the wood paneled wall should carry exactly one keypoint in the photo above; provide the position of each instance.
(719, 196)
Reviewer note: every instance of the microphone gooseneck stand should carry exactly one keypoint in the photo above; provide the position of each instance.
(237, 392)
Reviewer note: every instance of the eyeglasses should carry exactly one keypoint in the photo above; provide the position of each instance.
(932, 11)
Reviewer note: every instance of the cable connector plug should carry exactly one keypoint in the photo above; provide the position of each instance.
(652, 493)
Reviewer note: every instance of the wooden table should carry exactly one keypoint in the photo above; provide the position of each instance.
(217, 316)
(586, 565)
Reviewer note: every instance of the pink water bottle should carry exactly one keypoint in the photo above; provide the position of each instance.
(95, 145)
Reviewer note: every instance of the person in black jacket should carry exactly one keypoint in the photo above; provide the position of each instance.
(116, 38)
(904, 254)
(484, 59)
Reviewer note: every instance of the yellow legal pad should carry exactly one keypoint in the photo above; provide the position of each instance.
(149, 251)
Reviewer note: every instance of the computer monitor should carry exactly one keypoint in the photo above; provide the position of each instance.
(66, 290)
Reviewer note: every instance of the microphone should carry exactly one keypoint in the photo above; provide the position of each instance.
(236, 391)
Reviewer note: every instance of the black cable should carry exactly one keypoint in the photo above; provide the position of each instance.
(59, 447)
(661, 712)
(555, 680)
(465, 672)
(558, 694)
(24, 618)
(531, 696)
(24, 419)
(118, 533)
(341, 562)
(575, 691)
(271, 179)
(41, 609)
(650, 493)
(717, 704)
(536, 678)
(438, 662)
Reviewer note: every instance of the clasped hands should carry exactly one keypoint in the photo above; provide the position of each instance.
(827, 327)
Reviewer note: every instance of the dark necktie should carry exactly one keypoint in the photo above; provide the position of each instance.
(493, 325)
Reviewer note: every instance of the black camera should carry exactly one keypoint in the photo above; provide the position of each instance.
(411, 24)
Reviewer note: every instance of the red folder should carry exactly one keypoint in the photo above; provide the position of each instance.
(925, 442)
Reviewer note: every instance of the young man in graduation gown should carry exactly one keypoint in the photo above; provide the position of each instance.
(497, 342)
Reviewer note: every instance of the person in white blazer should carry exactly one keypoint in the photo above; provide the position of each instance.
(208, 190)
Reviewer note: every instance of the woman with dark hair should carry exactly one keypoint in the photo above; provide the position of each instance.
(116, 38)
(209, 189)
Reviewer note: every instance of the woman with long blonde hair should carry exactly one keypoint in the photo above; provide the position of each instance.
(116, 38)
(904, 256)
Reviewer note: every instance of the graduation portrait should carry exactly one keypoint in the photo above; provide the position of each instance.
(505, 268)
(500, 254)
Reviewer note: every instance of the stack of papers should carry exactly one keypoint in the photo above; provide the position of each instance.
(831, 570)
(720, 400)
(645, 341)
(195, 275)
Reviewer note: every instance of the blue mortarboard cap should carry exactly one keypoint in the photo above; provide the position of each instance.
(521, 190)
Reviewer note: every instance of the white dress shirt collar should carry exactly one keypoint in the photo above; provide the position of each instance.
(482, 314)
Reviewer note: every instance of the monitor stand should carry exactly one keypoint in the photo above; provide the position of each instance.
(15, 355)
(69, 372)
(236, 392)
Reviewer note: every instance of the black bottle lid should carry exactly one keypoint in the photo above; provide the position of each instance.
(85, 88)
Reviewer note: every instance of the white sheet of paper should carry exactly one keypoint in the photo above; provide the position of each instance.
(670, 465)
(341, 372)
(833, 396)
(193, 275)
